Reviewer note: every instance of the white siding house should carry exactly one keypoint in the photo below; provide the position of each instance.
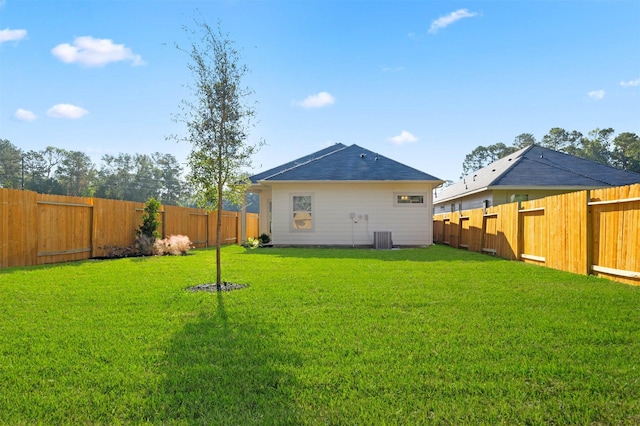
(301, 205)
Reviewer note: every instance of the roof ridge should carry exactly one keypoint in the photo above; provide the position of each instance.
(305, 162)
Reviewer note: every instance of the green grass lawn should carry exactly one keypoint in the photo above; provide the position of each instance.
(320, 336)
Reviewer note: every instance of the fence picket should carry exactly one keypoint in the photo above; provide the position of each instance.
(587, 232)
(39, 228)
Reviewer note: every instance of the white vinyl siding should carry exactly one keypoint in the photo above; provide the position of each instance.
(373, 208)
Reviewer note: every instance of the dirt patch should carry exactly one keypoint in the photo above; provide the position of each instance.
(225, 286)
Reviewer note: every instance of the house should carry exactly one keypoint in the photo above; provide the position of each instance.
(530, 173)
(345, 196)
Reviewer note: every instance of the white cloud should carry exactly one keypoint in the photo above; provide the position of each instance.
(24, 115)
(12, 35)
(95, 52)
(630, 83)
(402, 138)
(66, 111)
(319, 100)
(392, 69)
(596, 94)
(445, 21)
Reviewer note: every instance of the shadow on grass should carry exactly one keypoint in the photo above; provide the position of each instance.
(434, 253)
(223, 371)
(81, 262)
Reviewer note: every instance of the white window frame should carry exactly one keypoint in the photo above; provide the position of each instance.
(397, 195)
(292, 226)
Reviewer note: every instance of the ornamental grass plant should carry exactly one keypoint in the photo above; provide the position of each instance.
(319, 336)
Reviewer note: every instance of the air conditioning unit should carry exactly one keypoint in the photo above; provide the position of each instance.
(382, 240)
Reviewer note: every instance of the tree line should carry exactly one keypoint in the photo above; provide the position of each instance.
(599, 145)
(132, 177)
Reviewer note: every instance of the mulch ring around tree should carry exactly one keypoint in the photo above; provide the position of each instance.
(224, 286)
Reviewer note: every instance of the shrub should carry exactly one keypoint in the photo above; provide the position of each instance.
(144, 244)
(261, 241)
(172, 245)
(252, 243)
(264, 239)
(147, 233)
(116, 252)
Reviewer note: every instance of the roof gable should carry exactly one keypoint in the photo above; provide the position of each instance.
(343, 163)
(536, 166)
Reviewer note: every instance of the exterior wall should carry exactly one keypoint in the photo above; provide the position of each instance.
(474, 201)
(504, 196)
(264, 220)
(495, 198)
(373, 207)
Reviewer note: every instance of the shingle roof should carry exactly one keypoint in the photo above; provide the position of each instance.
(343, 163)
(536, 166)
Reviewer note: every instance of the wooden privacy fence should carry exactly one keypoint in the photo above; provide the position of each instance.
(586, 232)
(37, 228)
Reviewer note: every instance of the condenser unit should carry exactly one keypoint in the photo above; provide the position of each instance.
(382, 240)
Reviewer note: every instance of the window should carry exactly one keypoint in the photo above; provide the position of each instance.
(302, 212)
(519, 197)
(408, 199)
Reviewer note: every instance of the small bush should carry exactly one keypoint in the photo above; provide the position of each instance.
(144, 244)
(264, 239)
(173, 245)
(252, 243)
(147, 233)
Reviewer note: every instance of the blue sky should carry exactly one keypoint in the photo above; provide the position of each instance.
(422, 82)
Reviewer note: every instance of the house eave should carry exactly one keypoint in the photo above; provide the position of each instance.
(275, 182)
(463, 194)
(546, 187)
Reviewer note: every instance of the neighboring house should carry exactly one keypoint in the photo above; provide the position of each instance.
(342, 195)
(530, 173)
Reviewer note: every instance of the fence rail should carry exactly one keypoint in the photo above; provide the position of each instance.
(38, 228)
(587, 232)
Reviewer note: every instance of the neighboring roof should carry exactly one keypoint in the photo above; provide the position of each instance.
(343, 163)
(537, 167)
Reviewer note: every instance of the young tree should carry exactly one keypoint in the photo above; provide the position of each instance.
(148, 233)
(217, 120)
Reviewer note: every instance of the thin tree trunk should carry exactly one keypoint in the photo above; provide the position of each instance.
(219, 239)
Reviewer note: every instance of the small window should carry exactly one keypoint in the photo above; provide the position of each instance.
(302, 212)
(519, 197)
(408, 199)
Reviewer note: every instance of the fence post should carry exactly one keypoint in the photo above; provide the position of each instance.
(519, 231)
(589, 233)
(243, 223)
(238, 228)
